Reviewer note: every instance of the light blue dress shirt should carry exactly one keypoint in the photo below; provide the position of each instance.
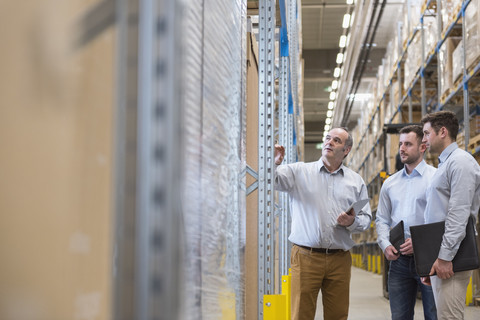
(403, 197)
(453, 196)
(317, 198)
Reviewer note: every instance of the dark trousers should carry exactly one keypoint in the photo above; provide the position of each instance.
(403, 283)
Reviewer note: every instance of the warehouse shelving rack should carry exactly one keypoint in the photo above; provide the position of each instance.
(289, 112)
(425, 84)
(148, 179)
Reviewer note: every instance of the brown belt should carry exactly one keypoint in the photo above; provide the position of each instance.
(321, 250)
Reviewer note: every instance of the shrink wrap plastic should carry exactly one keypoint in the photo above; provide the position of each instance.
(214, 187)
(472, 37)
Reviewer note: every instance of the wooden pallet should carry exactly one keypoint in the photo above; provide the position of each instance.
(452, 17)
(447, 93)
(474, 143)
(433, 5)
(459, 80)
(472, 66)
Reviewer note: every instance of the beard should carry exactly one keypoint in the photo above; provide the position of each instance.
(408, 159)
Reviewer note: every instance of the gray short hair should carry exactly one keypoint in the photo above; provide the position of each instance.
(349, 141)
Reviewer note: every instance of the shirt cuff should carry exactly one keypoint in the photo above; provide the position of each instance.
(354, 225)
(446, 254)
(384, 244)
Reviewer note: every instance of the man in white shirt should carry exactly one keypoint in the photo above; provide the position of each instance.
(453, 196)
(320, 192)
(403, 198)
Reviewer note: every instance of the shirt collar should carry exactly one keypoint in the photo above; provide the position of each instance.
(420, 169)
(322, 165)
(447, 152)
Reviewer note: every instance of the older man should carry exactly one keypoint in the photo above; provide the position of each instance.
(320, 193)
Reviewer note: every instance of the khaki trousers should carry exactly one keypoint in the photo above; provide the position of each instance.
(313, 271)
(450, 295)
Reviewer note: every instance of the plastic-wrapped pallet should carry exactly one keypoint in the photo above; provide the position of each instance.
(449, 9)
(413, 61)
(445, 59)
(380, 82)
(431, 36)
(472, 27)
(472, 37)
(386, 65)
(411, 13)
(394, 100)
(457, 62)
(214, 200)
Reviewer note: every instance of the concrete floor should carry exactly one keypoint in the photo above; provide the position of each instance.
(367, 301)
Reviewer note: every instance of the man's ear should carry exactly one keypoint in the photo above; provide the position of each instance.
(423, 147)
(347, 151)
(443, 132)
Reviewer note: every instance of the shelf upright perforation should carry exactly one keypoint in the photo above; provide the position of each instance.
(284, 141)
(157, 261)
(286, 125)
(266, 107)
(283, 137)
(293, 38)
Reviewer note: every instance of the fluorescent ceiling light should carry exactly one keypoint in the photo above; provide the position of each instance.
(349, 1)
(329, 113)
(346, 21)
(330, 105)
(328, 121)
(339, 57)
(326, 128)
(343, 41)
(332, 95)
(361, 97)
(336, 72)
(334, 84)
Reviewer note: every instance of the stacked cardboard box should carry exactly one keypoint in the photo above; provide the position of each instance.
(411, 13)
(413, 61)
(445, 59)
(472, 37)
(449, 10)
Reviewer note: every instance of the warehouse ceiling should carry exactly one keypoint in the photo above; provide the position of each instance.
(321, 30)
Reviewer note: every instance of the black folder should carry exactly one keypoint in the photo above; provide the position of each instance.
(426, 240)
(397, 235)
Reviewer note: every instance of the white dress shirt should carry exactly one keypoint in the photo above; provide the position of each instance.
(317, 198)
(453, 196)
(403, 197)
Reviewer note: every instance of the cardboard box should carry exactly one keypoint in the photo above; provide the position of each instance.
(445, 59)
(56, 186)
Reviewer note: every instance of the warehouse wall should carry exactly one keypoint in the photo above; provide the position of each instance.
(55, 165)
